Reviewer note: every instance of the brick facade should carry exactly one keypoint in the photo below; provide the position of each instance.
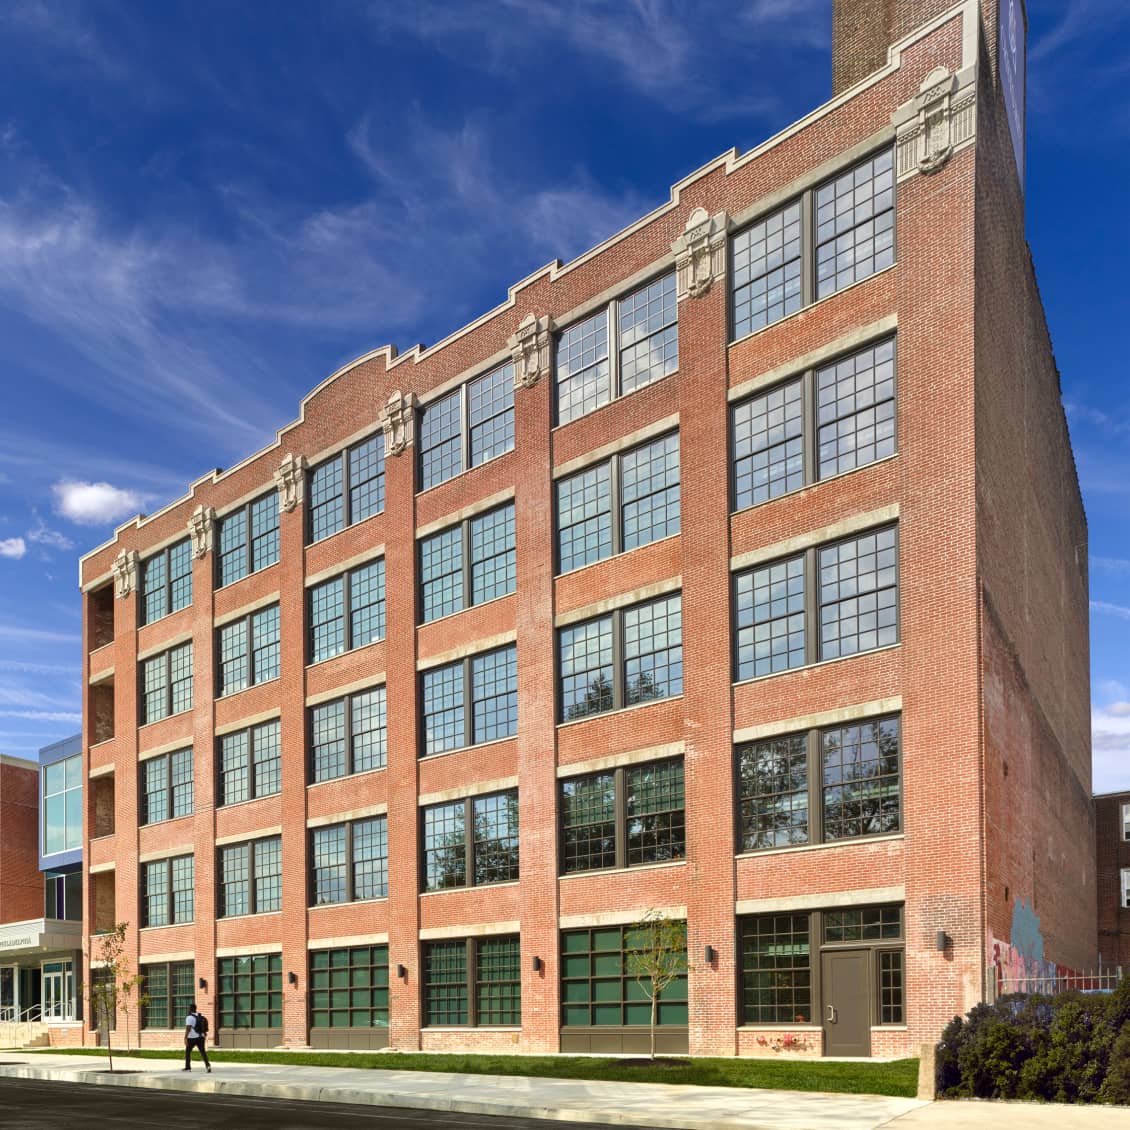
(21, 884)
(1112, 843)
(988, 668)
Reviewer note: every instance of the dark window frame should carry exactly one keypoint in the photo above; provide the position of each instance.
(243, 515)
(347, 487)
(373, 985)
(235, 984)
(471, 852)
(175, 1016)
(621, 817)
(252, 878)
(809, 243)
(253, 762)
(250, 645)
(348, 611)
(171, 917)
(813, 644)
(810, 424)
(351, 770)
(472, 983)
(468, 702)
(166, 659)
(170, 787)
(167, 583)
(350, 861)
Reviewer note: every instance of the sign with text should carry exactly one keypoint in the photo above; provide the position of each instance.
(1012, 50)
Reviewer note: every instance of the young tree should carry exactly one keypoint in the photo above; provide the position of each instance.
(656, 955)
(130, 982)
(107, 978)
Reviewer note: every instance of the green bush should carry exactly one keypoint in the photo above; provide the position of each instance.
(1070, 1048)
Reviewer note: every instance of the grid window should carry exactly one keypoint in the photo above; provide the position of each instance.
(855, 410)
(768, 432)
(1126, 822)
(855, 224)
(891, 987)
(61, 805)
(350, 861)
(167, 992)
(859, 594)
(860, 779)
(248, 539)
(651, 829)
(776, 974)
(250, 763)
(773, 793)
(767, 264)
(349, 987)
(251, 877)
(166, 682)
(167, 891)
(599, 988)
(167, 786)
(166, 582)
(468, 564)
(348, 611)
(473, 982)
(863, 924)
(347, 488)
(472, 701)
(591, 370)
(770, 605)
(629, 501)
(1125, 875)
(250, 991)
(471, 842)
(249, 651)
(467, 427)
(648, 638)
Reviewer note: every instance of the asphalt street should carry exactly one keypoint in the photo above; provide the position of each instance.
(28, 1104)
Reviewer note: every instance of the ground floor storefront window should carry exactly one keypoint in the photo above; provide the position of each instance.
(473, 982)
(167, 992)
(349, 997)
(250, 1001)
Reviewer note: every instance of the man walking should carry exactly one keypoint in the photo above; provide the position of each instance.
(195, 1029)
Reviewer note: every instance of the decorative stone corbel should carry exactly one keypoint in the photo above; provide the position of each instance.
(290, 478)
(398, 419)
(940, 118)
(530, 349)
(700, 253)
(200, 526)
(125, 572)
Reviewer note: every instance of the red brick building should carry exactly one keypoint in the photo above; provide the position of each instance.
(734, 570)
(1112, 844)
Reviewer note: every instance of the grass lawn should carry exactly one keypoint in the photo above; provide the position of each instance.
(899, 1078)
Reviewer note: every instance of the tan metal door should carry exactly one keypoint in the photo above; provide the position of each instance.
(845, 989)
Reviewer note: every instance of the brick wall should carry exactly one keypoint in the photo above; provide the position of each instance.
(21, 884)
(1112, 856)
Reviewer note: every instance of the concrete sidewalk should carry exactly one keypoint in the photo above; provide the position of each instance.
(652, 1105)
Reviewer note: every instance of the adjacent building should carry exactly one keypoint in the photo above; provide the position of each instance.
(735, 570)
(1112, 843)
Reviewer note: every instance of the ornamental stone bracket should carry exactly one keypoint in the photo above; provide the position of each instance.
(398, 419)
(125, 572)
(290, 479)
(529, 348)
(700, 253)
(940, 119)
(200, 527)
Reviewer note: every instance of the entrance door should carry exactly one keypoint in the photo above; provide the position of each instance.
(9, 995)
(58, 990)
(846, 993)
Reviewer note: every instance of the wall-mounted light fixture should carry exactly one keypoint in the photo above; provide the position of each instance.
(941, 941)
(709, 954)
(292, 978)
(202, 983)
(537, 965)
(402, 972)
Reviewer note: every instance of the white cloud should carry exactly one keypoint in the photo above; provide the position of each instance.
(13, 548)
(95, 504)
(43, 715)
(1119, 709)
(37, 635)
(1118, 610)
(1110, 746)
(52, 539)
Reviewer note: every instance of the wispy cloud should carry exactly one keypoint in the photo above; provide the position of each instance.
(1110, 746)
(37, 635)
(13, 548)
(95, 504)
(1109, 609)
(1118, 565)
(44, 715)
(42, 535)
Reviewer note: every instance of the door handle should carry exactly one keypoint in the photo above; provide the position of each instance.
(831, 1017)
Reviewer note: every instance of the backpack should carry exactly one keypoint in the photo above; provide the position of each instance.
(201, 1024)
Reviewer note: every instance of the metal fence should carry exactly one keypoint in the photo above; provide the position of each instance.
(1103, 980)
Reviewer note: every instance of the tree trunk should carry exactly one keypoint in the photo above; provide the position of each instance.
(654, 1010)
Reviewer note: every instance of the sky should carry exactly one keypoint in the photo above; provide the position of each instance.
(207, 208)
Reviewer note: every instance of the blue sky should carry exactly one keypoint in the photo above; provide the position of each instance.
(206, 208)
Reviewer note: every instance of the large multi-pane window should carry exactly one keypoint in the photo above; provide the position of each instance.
(471, 701)
(250, 763)
(623, 817)
(62, 895)
(166, 684)
(166, 782)
(1126, 821)
(471, 842)
(600, 988)
(247, 539)
(629, 500)
(467, 427)
(631, 655)
(167, 891)
(780, 951)
(837, 783)
(348, 735)
(347, 611)
(249, 650)
(168, 990)
(622, 347)
(778, 269)
(846, 591)
(823, 422)
(468, 564)
(250, 877)
(473, 982)
(250, 991)
(62, 805)
(347, 488)
(166, 581)
(349, 862)
(1125, 876)
(349, 987)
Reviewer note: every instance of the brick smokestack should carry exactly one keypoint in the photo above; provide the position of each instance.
(861, 32)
